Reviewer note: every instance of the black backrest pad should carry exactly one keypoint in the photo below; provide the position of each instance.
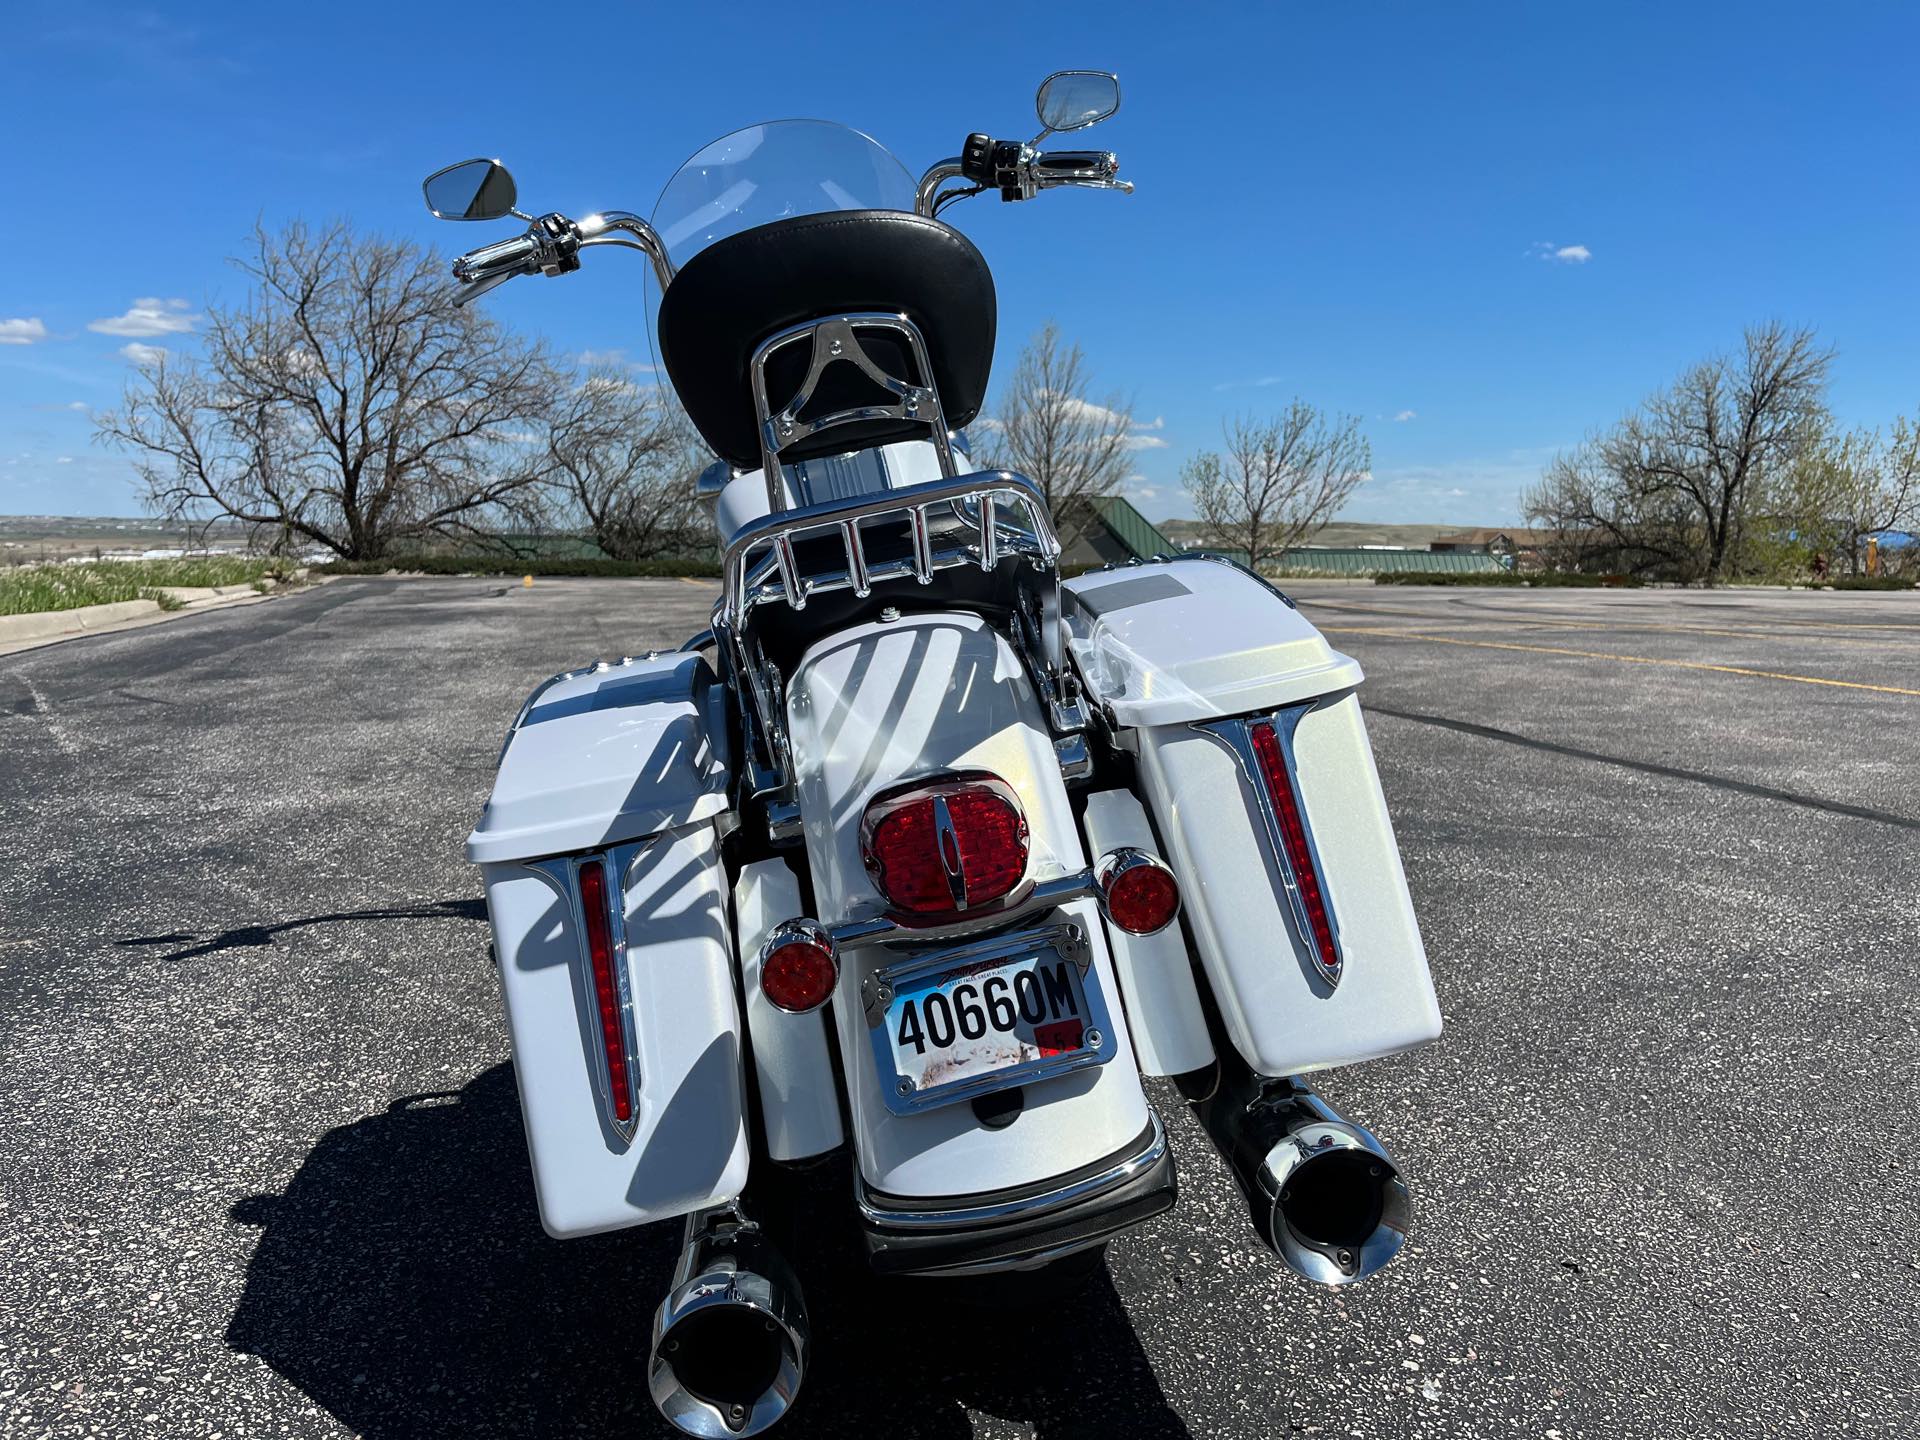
(736, 292)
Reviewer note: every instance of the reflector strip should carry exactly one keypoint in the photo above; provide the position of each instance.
(606, 993)
(1296, 847)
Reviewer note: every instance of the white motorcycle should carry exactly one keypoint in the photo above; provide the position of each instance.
(921, 850)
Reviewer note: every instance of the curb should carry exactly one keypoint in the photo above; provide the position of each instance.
(50, 627)
(57, 624)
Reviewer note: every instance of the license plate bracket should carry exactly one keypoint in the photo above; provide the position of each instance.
(1005, 1011)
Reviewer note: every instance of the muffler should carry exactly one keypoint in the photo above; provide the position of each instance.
(730, 1340)
(1325, 1195)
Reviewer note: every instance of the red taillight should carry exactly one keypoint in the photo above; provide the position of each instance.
(798, 967)
(606, 992)
(1141, 895)
(1293, 837)
(937, 848)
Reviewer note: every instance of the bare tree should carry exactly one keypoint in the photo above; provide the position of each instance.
(626, 458)
(346, 402)
(1673, 488)
(1048, 429)
(1279, 482)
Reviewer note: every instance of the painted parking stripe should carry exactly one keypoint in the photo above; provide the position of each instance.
(1625, 659)
(1492, 616)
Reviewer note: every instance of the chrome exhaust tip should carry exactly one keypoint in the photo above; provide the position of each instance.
(1324, 1194)
(1340, 1209)
(730, 1340)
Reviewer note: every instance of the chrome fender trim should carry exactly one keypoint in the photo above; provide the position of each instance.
(990, 1211)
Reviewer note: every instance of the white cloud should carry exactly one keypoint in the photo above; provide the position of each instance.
(64, 460)
(1480, 491)
(144, 354)
(1258, 384)
(1405, 415)
(1086, 409)
(1561, 254)
(613, 359)
(608, 385)
(148, 316)
(22, 332)
(1137, 436)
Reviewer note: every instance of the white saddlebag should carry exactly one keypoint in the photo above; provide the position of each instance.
(619, 770)
(1254, 761)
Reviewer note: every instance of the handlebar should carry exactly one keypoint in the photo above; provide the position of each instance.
(1017, 171)
(552, 246)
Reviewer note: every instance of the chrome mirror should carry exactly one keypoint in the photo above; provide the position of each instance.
(471, 190)
(1075, 99)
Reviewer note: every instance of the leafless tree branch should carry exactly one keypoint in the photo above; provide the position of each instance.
(345, 402)
(1072, 447)
(1280, 480)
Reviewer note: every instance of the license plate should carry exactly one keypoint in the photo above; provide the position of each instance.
(981, 1019)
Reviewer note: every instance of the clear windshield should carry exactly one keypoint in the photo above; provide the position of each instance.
(769, 172)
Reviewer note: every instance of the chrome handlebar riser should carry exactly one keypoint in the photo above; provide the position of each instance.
(551, 246)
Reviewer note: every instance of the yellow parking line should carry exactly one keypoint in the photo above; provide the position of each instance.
(1520, 617)
(689, 580)
(1627, 659)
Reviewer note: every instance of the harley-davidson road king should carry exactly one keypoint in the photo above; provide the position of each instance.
(922, 849)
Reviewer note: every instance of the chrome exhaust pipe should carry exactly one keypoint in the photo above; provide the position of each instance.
(730, 1340)
(1324, 1194)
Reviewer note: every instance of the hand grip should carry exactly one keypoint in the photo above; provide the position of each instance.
(500, 258)
(1067, 167)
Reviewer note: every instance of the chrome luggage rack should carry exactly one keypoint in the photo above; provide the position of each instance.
(994, 520)
(995, 514)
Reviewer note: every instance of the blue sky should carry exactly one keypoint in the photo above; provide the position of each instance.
(1376, 207)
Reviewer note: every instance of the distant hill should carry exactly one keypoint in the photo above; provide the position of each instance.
(1340, 532)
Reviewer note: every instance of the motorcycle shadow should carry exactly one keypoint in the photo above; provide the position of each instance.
(403, 1283)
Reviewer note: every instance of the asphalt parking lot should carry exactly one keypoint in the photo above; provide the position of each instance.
(263, 1166)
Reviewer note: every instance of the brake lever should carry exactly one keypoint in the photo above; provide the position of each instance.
(466, 294)
(1125, 187)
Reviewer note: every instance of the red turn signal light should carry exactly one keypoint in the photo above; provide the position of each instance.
(1137, 891)
(609, 1003)
(798, 966)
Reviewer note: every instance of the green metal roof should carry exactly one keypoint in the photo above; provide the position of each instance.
(1374, 562)
(1142, 539)
(1131, 528)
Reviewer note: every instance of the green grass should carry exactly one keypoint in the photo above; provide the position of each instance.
(1867, 582)
(702, 566)
(31, 589)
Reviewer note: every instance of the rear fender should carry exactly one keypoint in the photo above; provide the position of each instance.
(868, 708)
